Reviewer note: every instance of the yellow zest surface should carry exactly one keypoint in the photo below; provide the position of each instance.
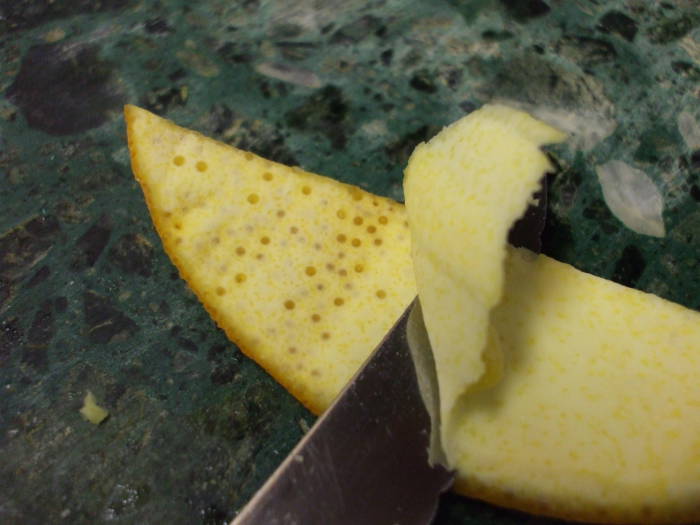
(565, 394)
(597, 414)
(304, 273)
(561, 393)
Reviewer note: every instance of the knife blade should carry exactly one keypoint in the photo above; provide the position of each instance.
(366, 459)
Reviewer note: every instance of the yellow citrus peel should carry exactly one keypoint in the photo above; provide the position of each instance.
(305, 274)
(561, 393)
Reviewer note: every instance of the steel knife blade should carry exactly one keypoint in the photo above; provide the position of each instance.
(366, 459)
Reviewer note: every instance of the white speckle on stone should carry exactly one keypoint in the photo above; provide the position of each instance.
(674, 186)
(303, 14)
(121, 156)
(375, 128)
(691, 45)
(689, 127)
(478, 47)
(586, 128)
(54, 35)
(632, 197)
(286, 73)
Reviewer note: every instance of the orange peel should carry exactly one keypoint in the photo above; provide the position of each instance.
(305, 274)
(574, 397)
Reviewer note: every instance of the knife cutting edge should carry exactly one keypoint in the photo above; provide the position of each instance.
(366, 459)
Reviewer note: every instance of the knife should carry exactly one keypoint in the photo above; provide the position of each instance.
(365, 460)
(372, 458)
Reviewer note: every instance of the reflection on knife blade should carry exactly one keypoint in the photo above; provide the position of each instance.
(366, 459)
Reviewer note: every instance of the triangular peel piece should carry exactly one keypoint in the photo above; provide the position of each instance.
(304, 273)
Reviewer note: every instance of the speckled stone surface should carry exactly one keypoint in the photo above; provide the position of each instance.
(89, 301)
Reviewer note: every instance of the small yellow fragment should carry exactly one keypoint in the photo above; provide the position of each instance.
(91, 411)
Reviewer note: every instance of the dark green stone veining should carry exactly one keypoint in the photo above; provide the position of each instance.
(89, 300)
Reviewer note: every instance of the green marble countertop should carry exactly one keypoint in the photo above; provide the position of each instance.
(89, 300)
